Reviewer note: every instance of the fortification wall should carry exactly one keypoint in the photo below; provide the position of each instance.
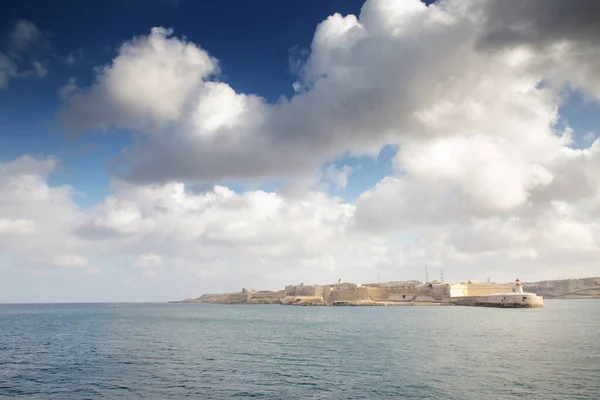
(377, 294)
(485, 289)
(400, 293)
(396, 284)
(235, 298)
(345, 286)
(440, 291)
(458, 290)
(355, 294)
(264, 294)
(402, 296)
(301, 290)
(319, 290)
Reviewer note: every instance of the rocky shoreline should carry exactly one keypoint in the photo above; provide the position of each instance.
(318, 302)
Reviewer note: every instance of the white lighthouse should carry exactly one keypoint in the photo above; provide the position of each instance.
(518, 286)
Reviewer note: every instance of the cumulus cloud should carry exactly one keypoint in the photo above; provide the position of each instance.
(356, 107)
(539, 22)
(173, 72)
(369, 81)
(217, 238)
(561, 36)
(35, 219)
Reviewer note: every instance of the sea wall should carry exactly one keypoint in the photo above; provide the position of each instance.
(506, 300)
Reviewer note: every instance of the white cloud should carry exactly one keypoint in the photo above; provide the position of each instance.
(338, 176)
(590, 137)
(368, 82)
(173, 72)
(148, 260)
(29, 206)
(24, 33)
(16, 226)
(69, 260)
(217, 235)
(74, 57)
(23, 36)
(39, 69)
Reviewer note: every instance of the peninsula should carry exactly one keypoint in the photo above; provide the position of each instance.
(400, 293)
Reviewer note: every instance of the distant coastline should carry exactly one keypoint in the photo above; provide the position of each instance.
(398, 293)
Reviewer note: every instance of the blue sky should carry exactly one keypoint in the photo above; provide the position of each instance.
(423, 136)
(250, 39)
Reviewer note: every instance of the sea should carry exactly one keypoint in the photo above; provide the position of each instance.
(207, 351)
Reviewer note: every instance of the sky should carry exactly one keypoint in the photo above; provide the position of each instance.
(158, 150)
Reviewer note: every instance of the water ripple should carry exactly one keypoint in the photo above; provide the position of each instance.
(160, 351)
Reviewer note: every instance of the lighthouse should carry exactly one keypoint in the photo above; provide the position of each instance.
(518, 286)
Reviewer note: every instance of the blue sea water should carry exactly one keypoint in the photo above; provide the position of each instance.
(203, 351)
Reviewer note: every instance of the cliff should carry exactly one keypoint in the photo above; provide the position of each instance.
(565, 288)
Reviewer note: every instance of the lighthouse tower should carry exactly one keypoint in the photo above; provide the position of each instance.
(518, 286)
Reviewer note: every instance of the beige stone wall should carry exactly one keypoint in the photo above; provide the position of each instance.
(318, 291)
(440, 291)
(355, 294)
(264, 294)
(345, 286)
(377, 294)
(301, 290)
(458, 290)
(237, 297)
(409, 285)
(402, 296)
(388, 293)
(484, 289)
